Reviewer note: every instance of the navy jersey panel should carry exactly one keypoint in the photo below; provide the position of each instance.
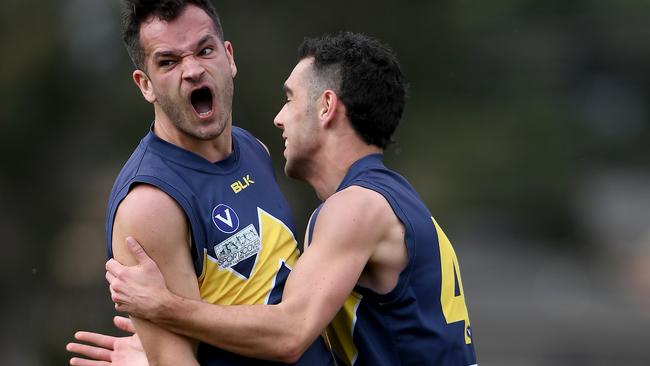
(409, 325)
(243, 246)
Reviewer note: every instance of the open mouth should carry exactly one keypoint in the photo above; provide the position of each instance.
(201, 100)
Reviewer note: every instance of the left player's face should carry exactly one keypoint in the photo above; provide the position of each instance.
(190, 73)
(299, 122)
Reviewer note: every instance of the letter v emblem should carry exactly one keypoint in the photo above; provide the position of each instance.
(227, 220)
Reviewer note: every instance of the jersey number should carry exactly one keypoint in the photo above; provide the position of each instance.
(452, 296)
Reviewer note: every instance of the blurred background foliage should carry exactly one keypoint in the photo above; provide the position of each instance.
(526, 132)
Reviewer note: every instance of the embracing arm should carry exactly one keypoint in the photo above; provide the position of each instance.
(160, 224)
(348, 231)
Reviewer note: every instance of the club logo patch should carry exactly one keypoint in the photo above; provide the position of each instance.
(225, 218)
(238, 247)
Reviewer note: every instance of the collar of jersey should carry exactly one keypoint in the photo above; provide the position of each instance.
(365, 163)
(189, 159)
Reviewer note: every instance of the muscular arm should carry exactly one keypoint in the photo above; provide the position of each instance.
(160, 225)
(351, 227)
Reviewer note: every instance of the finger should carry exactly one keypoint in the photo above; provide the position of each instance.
(109, 277)
(124, 324)
(76, 361)
(121, 308)
(113, 266)
(115, 296)
(137, 250)
(96, 353)
(98, 339)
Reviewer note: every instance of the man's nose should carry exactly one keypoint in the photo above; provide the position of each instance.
(192, 69)
(277, 122)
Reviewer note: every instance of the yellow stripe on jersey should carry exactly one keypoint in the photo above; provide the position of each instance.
(340, 331)
(453, 307)
(227, 287)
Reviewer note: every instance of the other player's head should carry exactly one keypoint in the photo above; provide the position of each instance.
(346, 90)
(365, 75)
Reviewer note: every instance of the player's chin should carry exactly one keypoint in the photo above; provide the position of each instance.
(288, 171)
(210, 131)
(291, 170)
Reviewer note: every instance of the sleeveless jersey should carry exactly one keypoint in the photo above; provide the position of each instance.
(423, 320)
(243, 246)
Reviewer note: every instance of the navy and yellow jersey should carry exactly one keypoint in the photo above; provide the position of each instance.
(243, 246)
(423, 320)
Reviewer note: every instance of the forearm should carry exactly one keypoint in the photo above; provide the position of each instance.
(162, 347)
(269, 332)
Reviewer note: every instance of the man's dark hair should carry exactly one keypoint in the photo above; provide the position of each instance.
(366, 76)
(135, 12)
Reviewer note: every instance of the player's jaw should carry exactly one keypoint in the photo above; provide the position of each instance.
(199, 113)
(299, 150)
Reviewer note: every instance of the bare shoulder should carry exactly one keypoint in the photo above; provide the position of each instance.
(145, 198)
(358, 211)
(149, 205)
(152, 217)
(360, 201)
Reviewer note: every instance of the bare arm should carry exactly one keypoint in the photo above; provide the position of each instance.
(350, 227)
(160, 224)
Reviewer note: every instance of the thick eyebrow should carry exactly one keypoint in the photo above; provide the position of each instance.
(163, 54)
(205, 39)
(174, 53)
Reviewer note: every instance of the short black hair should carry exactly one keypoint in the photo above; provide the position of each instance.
(135, 12)
(367, 78)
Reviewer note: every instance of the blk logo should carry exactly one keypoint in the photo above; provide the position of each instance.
(239, 186)
(225, 218)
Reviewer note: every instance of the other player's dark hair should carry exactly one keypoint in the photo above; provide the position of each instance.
(135, 12)
(366, 76)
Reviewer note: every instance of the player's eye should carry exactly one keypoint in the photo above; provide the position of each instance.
(165, 63)
(206, 51)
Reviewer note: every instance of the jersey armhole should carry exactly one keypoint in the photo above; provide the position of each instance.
(195, 250)
(311, 224)
(409, 242)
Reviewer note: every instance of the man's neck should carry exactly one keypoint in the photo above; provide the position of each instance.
(213, 150)
(334, 163)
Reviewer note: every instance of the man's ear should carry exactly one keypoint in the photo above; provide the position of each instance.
(141, 79)
(328, 107)
(230, 53)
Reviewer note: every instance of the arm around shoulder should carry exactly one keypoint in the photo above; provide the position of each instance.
(346, 236)
(347, 233)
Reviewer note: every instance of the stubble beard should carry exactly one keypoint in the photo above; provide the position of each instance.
(300, 165)
(181, 117)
